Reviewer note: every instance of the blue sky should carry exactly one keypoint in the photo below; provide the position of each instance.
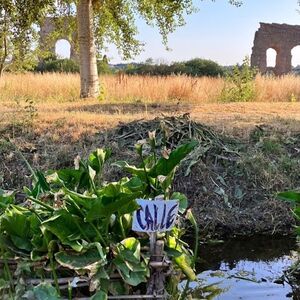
(218, 31)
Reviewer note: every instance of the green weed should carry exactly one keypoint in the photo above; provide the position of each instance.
(239, 84)
(77, 221)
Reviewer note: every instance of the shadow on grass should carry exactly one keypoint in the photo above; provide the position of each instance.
(132, 108)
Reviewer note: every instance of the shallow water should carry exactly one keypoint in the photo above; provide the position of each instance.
(245, 270)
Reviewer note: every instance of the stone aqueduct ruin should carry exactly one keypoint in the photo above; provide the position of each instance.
(280, 37)
(54, 29)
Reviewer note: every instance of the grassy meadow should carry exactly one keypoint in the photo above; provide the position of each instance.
(44, 118)
(58, 88)
(51, 101)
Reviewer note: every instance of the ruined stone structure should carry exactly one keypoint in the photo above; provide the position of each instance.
(53, 30)
(280, 37)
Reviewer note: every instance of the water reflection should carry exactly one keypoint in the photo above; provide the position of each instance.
(244, 270)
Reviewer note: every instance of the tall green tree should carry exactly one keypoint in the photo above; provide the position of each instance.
(17, 32)
(100, 22)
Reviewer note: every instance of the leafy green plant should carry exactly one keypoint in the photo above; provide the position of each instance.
(60, 65)
(294, 198)
(239, 84)
(76, 223)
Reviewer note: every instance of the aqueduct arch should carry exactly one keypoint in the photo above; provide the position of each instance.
(282, 38)
(54, 29)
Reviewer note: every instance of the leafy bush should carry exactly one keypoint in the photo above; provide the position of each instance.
(58, 65)
(194, 67)
(239, 84)
(203, 67)
(54, 64)
(73, 222)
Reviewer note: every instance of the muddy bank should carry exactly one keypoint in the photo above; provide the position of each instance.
(231, 182)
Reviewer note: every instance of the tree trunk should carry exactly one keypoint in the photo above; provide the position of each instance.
(87, 51)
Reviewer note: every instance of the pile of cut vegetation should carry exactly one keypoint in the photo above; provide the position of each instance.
(231, 183)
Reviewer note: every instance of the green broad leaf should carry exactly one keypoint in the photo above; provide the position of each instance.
(118, 288)
(6, 198)
(133, 245)
(45, 187)
(43, 291)
(6, 243)
(130, 207)
(40, 186)
(85, 260)
(3, 284)
(296, 212)
(80, 199)
(135, 184)
(128, 262)
(98, 280)
(183, 261)
(67, 228)
(132, 277)
(136, 278)
(115, 198)
(97, 159)
(172, 252)
(85, 181)
(292, 196)
(92, 173)
(183, 201)
(68, 177)
(166, 165)
(15, 223)
(21, 243)
(122, 267)
(140, 172)
(297, 230)
(100, 295)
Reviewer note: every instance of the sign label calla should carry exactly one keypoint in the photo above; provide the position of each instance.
(155, 216)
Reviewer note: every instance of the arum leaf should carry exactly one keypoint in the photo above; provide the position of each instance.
(82, 261)
(182, 260)
(166, 165)
(44, 291)
(140, 172)
(292, 196)
(100, 295)
(66, 227)
(183, 201)
(97, 159)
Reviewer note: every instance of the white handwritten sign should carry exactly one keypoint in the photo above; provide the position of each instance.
(154, 216)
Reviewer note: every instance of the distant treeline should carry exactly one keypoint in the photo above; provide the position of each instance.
(193, 67)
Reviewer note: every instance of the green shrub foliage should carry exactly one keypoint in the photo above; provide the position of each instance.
(193, 67)
(74, 222)
(239, 84)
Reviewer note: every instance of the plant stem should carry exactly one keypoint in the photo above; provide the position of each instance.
(196, 249)
(98, 234)
(10, 278)
(48, 207)
(122, 227)
(55, 278)
(146, 173)
(25, 160)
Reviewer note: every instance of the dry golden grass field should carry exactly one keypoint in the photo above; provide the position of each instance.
(50, 100)
(258, 141)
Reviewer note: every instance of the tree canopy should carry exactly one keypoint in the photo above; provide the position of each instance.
(99, 23)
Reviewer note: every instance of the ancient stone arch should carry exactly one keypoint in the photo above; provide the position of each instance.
(54, 29)
(282, 38)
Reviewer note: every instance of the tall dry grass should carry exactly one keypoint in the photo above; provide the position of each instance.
(277, 89)
(119, 88)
